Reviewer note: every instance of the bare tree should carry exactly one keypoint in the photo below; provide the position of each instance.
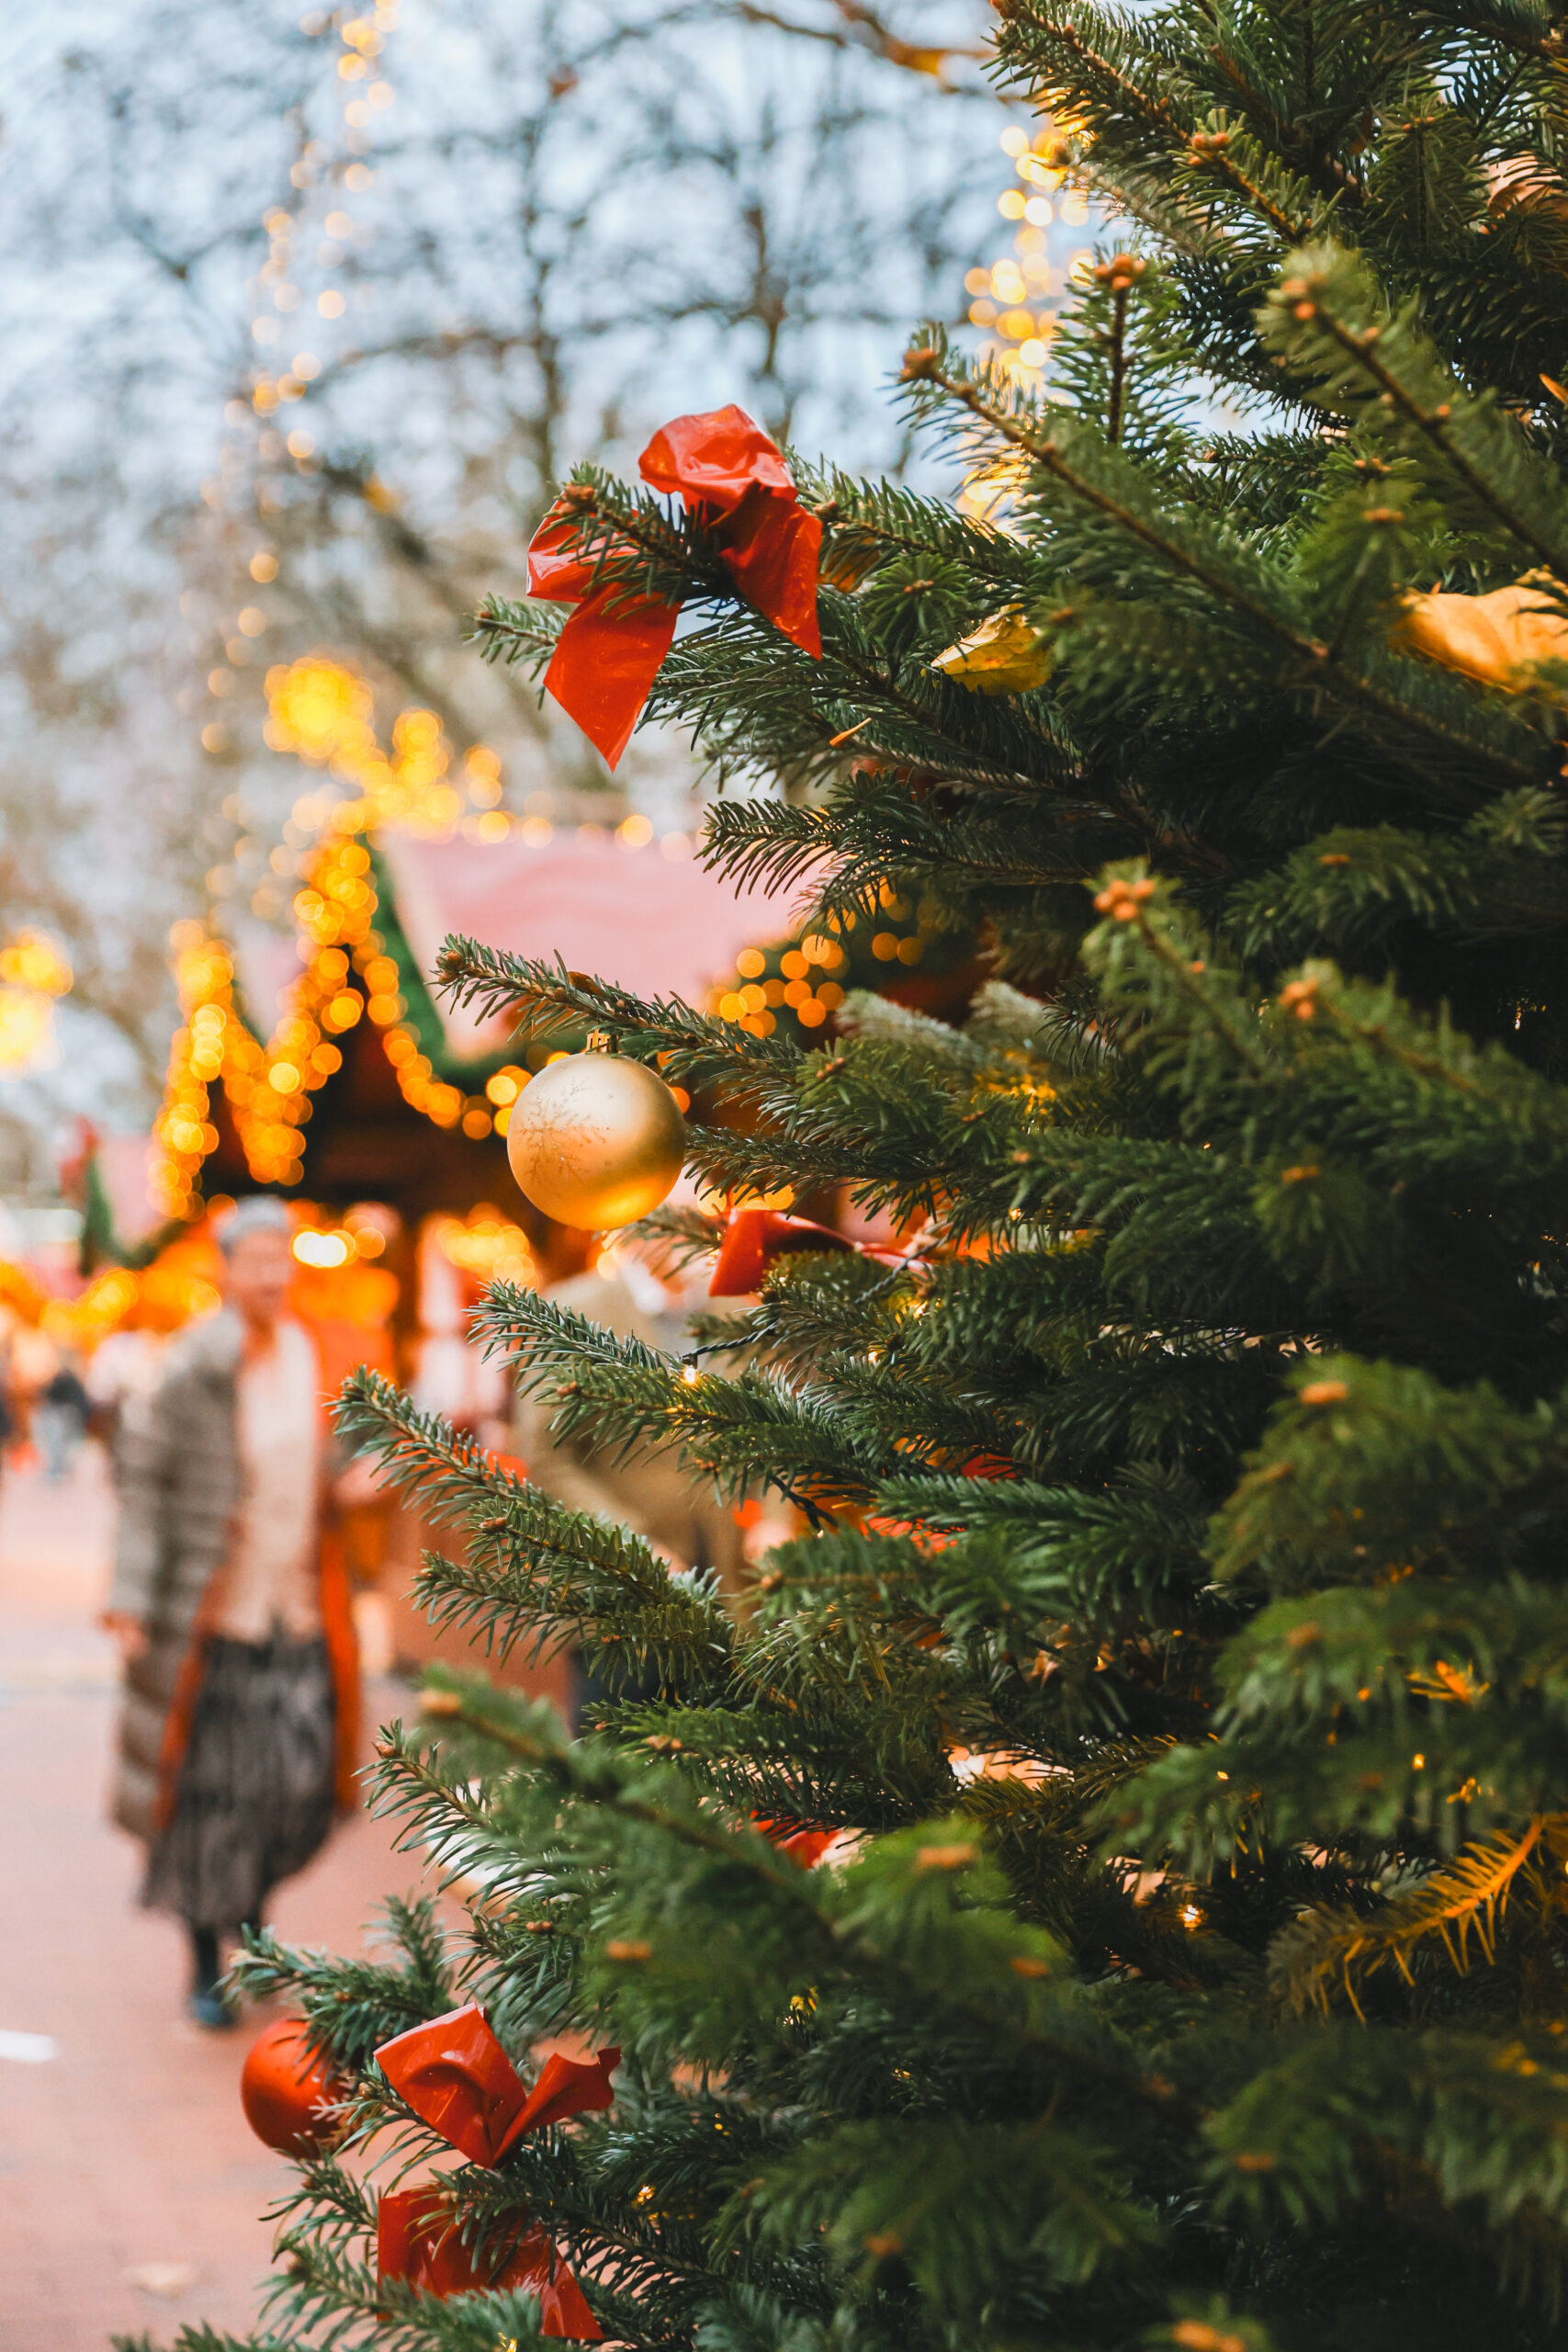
(310, 314)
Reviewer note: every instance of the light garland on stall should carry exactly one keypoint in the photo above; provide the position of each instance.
(487, 1246)
(321, 712)
(160, 1297)
(754, 1006)
(803, 983)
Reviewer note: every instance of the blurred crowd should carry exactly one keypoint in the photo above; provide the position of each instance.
(51, 1398)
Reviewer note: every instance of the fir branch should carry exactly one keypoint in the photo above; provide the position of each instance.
(1326, 319)
(1327, 1950)
(543, 997)
(1071, 458)
(535, 1571)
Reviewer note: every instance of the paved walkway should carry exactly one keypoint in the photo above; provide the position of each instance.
(130, 2186)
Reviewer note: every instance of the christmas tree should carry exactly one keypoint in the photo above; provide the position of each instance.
(1173, 1642)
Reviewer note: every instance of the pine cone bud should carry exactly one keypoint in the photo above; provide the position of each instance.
(920, 364)
(581, 495)
(945, 1858)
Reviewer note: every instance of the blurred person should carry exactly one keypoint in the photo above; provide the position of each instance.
(123, 1365)
(60, 1411)
(651, 1493)
(231, 1607)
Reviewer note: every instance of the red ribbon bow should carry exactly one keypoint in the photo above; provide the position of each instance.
(804, 1845)
(417, 2239)
(755, 1237)
(728, 470)
(457, 2079)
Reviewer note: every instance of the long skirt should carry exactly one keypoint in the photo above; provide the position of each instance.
(254, 1800)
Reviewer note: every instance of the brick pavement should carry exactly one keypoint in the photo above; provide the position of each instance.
(128, 2149)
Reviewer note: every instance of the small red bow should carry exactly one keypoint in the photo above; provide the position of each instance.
(728, 471)
(805, 1846)
(457, 2079)
(755, 1237)
(417, 2239)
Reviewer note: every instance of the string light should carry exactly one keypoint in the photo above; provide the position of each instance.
(31, 961)
(1003, 293)
(295, 280)
(754, 1006)
(33, 973)
(1012, 298)
(487, 1246)
(799, 982)
(164, 1296)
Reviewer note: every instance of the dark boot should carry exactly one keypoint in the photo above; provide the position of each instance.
(207, 2006)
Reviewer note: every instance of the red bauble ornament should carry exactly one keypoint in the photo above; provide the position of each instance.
(285, 2087)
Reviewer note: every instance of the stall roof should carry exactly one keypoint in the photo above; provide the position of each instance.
(647, 918)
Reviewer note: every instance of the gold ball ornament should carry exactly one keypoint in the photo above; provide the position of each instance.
(1004, 656)
(596, 1141)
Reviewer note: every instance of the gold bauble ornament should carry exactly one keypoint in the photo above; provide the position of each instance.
(596, 1141)
(1497, 639)
(1003, 656)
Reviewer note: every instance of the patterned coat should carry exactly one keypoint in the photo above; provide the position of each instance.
(180, 1483)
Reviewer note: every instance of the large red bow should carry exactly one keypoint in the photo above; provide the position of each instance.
(416, 2239)
(728, 470)
(455, 2075)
